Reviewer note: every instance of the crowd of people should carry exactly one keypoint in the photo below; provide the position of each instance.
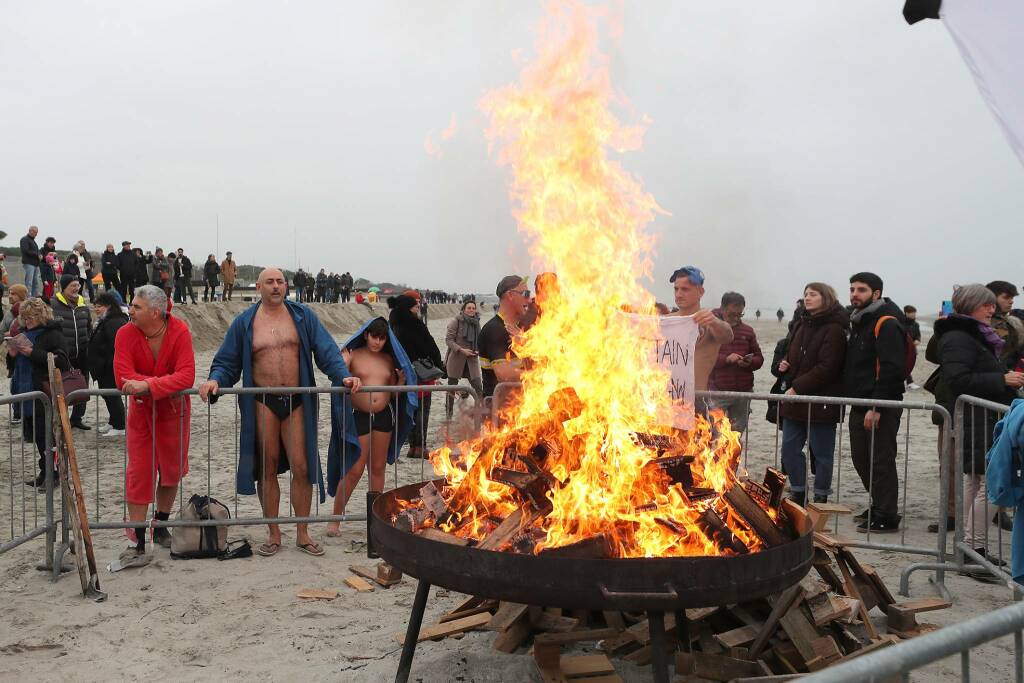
(864, 350)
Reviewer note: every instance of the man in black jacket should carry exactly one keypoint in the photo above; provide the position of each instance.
(127, 265)
(108, 269)
(875, 370)
(75, 318)
(183, 278)
(30, 259)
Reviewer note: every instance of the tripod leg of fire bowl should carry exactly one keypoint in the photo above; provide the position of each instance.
(412, 632)
(683, 630)
(659, 661)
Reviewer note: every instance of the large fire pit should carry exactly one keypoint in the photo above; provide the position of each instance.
(657, 585)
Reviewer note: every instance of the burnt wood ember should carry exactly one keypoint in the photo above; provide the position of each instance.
(510, 528)
(759, 492)
(661, 443)
(433, 501)
(413, 519)
(776, 483)
(600, 546)
(514, 478)
(675, 467)
(699, 494)
(717, 530)
(754, 515)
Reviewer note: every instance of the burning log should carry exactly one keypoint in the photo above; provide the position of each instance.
(596, 547)
(754, 515)
(413, 519)
(564, 404)
(660, 443)
(433, 501)
(514, 478)
(715, 528)
(776, 483)
(512, 525)
(676, 468)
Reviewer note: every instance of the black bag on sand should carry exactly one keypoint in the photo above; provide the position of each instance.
(191, 542)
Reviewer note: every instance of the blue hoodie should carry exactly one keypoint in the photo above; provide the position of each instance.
(1004, 465)
(406, 409)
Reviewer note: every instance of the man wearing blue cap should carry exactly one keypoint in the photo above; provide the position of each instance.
(688, 282)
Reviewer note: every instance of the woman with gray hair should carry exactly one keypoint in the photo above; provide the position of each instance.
(968, 353)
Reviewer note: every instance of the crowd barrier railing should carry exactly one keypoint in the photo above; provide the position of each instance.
(29, 438)
(978, 550)
(216, 474)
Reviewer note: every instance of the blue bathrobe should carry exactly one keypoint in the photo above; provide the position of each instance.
(1004, 475)
(405, 409)
(234, 360)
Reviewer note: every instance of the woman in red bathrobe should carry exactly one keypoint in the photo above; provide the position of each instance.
(153, 360)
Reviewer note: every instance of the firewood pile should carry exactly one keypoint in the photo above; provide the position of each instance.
(823, 620)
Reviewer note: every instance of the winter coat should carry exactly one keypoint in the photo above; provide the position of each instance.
(109, 261)
(461, 335)
(874, 367)
(816, 354)
(75, 322)
(127, 263)
(30, 251)
(101, 346)
(414, 337)
(160, 265)
(210, 272)
(729, 376)
(228, 269)
(50, 341)
(185, 266)
(970, 366)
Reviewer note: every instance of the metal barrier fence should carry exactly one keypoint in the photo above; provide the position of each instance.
(101, 463)
(36, 436)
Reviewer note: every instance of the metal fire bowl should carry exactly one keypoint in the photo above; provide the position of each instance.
(633, 584)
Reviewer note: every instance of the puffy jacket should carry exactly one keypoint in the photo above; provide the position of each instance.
(874, 367)
(75, 322)
(51, 340)
(732, 377)
(816, 355)
(970, 366)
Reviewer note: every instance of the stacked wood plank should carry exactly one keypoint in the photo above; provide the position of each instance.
(823, 620)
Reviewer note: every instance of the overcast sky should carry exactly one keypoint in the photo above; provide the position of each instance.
(796, 144)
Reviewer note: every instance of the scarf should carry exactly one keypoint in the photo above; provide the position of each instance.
(992, 338)
(469, 329)
(856, 316)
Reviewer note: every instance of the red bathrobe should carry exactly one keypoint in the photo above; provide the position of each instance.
(173, 370)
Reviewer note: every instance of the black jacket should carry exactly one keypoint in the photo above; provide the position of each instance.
(75, 324)
(109, 260)
(127, 264)
(211, 269)
(185, 266)
(866, 356)
(101, 345)
(50, 341)
(29, 251)
(969, 366)
(816, 354)
(414, 337)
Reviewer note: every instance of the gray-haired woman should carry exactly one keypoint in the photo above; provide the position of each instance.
(463, 358)
(969, 351)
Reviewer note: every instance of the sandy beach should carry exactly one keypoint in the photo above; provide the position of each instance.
(209, 620)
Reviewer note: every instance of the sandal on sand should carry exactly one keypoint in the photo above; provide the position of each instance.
(311, 548)
(268, 549)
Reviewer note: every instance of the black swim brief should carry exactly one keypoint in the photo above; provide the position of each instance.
(280, 405)
(381, 421)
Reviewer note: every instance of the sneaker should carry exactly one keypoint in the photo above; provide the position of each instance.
(861, 517)
(820, 499)
(984, 553)
(933, 528)
(113, 432)
(879, 525)
(78, 424)
(16, 420)
(798, 497)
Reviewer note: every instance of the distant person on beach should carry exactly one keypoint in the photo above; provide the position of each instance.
(321, 286)
(228, 271)
(757, 314)
(780, 314)
(914, 330)
(737, 362)
(108, 269)
(497, 361)
(346, 286)
(31, 260)
(141, 268)
(875, 369)
(1009, 328)
(688, 287)
(299, 284)
(75, 318)
(813, 366)
(51, 271)
(376, 357)
(463, 357)
(153, 361)
(419, 345)
(211, 269)
(274, 343)
(109, 319)
(126, 265)
(183, 277)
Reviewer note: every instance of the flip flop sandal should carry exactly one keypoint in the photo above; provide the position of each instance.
(268, 549)
(311, 549)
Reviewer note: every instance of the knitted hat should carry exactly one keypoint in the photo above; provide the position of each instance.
(66, 280)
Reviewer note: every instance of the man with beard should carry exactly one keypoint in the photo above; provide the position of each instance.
(274, 344)
(875, 369)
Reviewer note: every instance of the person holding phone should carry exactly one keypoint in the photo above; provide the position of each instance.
(737, 361)
(463, 356)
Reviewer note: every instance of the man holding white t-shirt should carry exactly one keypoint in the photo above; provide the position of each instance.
(689, 288)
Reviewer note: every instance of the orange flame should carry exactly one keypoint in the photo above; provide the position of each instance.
(586, 219)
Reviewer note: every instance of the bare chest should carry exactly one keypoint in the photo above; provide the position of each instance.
(372, 368)
(274, 334)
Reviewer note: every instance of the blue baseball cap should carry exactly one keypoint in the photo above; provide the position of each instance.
(691, 273)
